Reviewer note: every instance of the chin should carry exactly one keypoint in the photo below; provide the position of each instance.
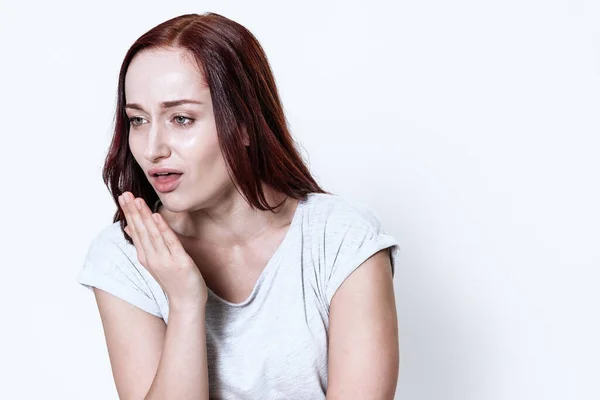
(180, 206)
(173, 205)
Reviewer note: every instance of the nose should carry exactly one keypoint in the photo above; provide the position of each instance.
(157, 143)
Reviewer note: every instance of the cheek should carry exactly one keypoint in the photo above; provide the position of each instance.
(209, 162)
(208, 157)
(202, 147)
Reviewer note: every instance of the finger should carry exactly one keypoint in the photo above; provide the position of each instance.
(124, 199)
(125, 210)
(155, 236)
(140, 229)
(171, 240)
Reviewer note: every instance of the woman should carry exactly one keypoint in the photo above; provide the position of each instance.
(241, 281)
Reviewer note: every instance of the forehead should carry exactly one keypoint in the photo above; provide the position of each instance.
(160, 75)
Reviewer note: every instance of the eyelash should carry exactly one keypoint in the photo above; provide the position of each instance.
(185, 125)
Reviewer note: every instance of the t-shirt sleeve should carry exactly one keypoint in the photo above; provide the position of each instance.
(352, 236)
(108, 267)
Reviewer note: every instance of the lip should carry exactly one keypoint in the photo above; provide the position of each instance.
(159, 170)
(165, 185)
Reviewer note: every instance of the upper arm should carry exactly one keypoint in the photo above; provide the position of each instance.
(363, 334)
(135, 340)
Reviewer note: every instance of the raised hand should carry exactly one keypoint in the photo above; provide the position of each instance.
(162, 254)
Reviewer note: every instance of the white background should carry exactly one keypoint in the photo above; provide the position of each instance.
(470, 127)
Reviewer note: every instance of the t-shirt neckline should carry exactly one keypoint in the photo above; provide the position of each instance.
(272, 263)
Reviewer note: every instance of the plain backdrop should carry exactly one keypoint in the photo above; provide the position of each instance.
(470, 127)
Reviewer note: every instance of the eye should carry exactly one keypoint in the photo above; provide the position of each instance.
(184, 121)
(135, 121)
(179, 119)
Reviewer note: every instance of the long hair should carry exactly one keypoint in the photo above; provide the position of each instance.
(245, 100)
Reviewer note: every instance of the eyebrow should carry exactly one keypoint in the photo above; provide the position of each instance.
(165, 104)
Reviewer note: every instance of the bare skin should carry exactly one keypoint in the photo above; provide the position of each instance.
(231, 272)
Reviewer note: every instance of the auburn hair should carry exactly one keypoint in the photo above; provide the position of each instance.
(245, 100)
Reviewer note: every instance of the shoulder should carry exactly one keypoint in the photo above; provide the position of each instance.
(108, 240)
(334, 214)
(109, 253)
(111, 264)
(344, 233)
(334, 206)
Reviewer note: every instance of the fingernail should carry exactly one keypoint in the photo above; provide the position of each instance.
(138, 204)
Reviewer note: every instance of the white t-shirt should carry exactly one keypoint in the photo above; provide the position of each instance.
(273, 345)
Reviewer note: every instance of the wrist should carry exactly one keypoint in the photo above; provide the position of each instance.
(187, 307)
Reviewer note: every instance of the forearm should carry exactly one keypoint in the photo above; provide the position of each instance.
(182, 371)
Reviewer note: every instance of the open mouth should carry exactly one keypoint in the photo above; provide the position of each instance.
(166, 182)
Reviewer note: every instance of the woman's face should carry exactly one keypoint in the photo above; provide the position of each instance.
(178, 136)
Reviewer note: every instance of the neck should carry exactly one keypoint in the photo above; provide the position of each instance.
(231, 222)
